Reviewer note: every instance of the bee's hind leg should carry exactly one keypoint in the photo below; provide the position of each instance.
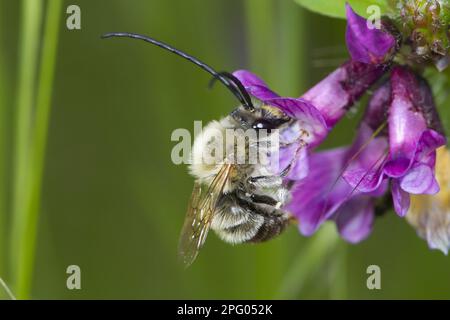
(278, 194)
(276, 201)
(249, 200)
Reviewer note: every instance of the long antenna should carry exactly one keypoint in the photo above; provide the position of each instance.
(231, 82)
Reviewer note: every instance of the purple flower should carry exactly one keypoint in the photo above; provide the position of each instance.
(335, 94)
(332, 96)
(395, 146)
(367, 45)
(369, 50)
(414, 135)
(325, 195)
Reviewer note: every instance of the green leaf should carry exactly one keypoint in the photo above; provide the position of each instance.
(336, 8)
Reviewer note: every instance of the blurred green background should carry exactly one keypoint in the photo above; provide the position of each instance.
(112, 202)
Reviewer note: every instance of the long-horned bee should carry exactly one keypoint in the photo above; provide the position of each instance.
(240, 201)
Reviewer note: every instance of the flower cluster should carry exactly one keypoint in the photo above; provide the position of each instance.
(422, 23)
(393, 155)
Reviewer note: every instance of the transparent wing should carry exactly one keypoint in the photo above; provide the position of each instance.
(200, 213)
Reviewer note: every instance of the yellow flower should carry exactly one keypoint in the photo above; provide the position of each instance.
(430, 214)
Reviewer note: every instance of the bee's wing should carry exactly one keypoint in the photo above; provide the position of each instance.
(200, 213)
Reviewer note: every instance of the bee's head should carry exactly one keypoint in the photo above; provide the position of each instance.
(260, 117)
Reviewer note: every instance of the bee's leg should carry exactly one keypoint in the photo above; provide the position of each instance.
(299, 140)
(257, 198)
(265, 181)
(279, 195)
(301, 145)
(250, 200)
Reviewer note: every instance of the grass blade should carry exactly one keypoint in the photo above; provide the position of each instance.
(7, 289)
(4, 111)
(28, 56)
(36, 153)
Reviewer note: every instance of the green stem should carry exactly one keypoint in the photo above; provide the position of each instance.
(7, 290)
(3, 159)
(309, 260)
(338, 274)
(28, 56)
(291, 53)
(261, 37)
(35, 167)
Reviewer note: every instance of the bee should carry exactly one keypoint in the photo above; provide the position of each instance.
(241, 202)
